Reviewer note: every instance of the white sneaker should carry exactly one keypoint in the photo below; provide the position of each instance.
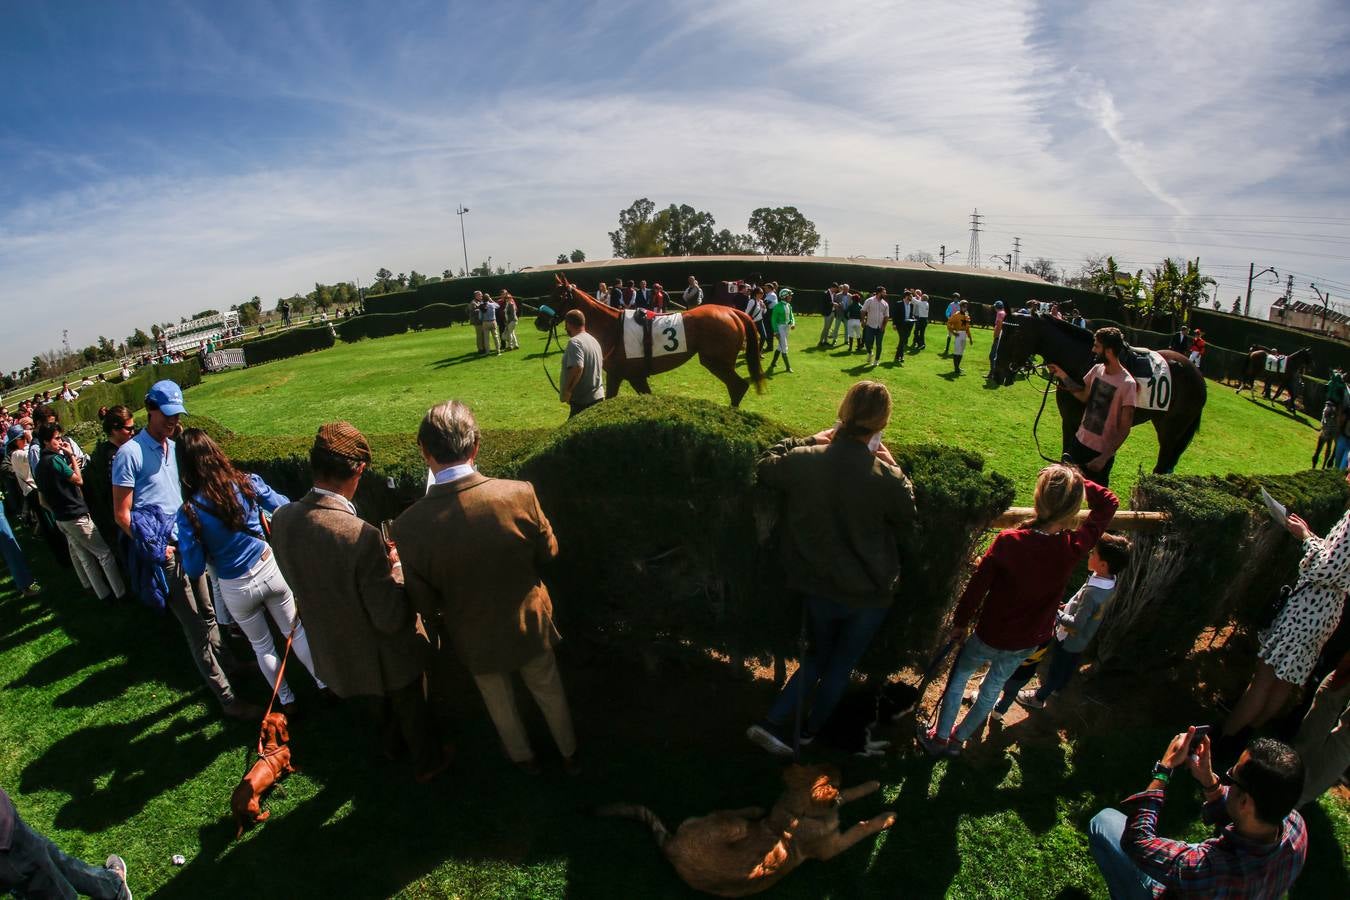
(762, 737)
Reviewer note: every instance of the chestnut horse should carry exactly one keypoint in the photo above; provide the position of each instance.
(713, 333)
(1294, 365)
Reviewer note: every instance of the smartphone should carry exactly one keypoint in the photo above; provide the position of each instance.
(387, 530)
(1201, 732)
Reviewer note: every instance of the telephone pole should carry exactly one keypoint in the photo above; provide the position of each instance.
(1326, 301)
(460, 210)
(1017, 253)
(1289, 289)
(973, 254)
(897, 252)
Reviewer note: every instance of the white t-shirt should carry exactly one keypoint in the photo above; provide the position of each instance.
(920, 309)
(875, 312)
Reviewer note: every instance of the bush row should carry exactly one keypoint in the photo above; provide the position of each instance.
(803, 276)
(130, 393)
(292, 342)
(661, 533)
(374, 325)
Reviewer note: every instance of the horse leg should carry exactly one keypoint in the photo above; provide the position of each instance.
(639, 383)
(612, 384)
(726, 373)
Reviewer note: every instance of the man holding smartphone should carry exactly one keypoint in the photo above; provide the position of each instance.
(1260, 841)
(59, 479)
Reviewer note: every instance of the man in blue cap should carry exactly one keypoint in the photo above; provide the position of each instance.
(146, 499)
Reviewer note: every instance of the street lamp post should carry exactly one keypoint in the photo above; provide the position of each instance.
(1326, 301)
(460, 210)
(1252, 275)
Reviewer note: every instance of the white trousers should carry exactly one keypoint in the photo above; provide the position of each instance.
(251, 599)
(93, 560)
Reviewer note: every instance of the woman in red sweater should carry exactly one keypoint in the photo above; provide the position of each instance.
(1014, 593)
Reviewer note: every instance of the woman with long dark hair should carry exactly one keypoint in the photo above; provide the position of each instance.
(221, 525)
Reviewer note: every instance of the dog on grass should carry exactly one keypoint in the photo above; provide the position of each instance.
(273, 762)
(863, 713)
(739, 852)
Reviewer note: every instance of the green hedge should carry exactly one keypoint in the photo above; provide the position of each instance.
(1240, 333)
(375, 325)
(804, 277)
(1221, 562)
(130, 393)
(289, 343)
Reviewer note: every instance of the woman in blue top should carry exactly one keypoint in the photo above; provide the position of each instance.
(220, 525)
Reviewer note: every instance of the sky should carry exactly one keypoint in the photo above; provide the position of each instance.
(157, 159)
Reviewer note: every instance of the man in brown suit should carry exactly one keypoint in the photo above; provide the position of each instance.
(470, 550)
(350, 595)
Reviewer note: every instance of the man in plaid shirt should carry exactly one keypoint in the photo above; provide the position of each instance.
(1260, 842)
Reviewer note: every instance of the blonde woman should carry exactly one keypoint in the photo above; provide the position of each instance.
(843, 498)
(1014, 594)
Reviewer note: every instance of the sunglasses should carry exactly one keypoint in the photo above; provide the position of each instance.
(1228, 779)
(130, 428)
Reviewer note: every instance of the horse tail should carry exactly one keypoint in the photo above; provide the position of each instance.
(639, 814)
(754, 360)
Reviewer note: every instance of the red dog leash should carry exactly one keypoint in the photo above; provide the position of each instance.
(281, 673)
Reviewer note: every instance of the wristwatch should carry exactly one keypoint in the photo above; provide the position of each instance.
(1161, 771)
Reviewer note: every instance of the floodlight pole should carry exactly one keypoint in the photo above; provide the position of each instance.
(460, 210)
(1252, 275)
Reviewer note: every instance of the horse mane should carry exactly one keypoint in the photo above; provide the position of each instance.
(1072, 330)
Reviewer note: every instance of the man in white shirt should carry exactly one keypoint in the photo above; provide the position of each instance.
(920, 308)
(876, 311)
(693, 295)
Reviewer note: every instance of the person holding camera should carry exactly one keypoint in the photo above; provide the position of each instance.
(846, 506)
(1260, 841)
(59, 478)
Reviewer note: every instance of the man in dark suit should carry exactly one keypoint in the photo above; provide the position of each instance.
(349, 590)
(903, 319)
(471, 549)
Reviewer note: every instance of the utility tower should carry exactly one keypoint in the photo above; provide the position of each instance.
(1017, 254)
(1289, 289)
(973, 254)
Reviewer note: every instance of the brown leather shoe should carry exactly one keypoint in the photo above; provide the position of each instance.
(248, 712)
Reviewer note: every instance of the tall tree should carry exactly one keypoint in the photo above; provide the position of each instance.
(686, 231)
(446, 275)
(727, 244)
(783, 231)
(1043, 267)
(638, 233)
(919, 256)
(139, 340)
(578, 256)
(416, 279)
(383, 277)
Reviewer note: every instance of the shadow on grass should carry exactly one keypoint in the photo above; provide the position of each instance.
(1281, 410)
(449, 361)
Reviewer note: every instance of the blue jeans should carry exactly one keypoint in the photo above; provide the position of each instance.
(1342, 451)
(36, 867)
(1124, 879)
(9, 548)
(839, 635)
(1002, 663)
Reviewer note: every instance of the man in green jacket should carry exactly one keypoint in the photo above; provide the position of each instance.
(782, 320)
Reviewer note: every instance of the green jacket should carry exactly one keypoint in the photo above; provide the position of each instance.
(781, 314)
(843, 517)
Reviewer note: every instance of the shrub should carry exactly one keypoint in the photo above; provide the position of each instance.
(288, 343)
(372, 325)
(130, 393)
(1221, 561)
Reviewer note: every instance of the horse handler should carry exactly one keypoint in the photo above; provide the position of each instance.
(1109, 394)
(581, 365)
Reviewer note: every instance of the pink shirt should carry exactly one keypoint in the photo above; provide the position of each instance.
(1102, 429)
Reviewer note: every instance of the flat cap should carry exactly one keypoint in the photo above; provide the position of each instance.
(343, 439)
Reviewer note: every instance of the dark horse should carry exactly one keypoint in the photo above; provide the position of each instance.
(1070, 348)
(713, 333)
(1294, 365)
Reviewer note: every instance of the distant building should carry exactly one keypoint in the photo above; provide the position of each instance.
(1308, 316)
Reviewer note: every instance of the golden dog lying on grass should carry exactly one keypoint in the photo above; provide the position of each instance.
(738, 852)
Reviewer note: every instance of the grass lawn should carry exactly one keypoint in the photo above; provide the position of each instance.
(385, 385)
(108, 742)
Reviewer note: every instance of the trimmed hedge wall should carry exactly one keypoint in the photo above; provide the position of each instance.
(374, 325)
(803, 276)
(288, 343)
(130, 393)
(1222, 561)
(1240, 333)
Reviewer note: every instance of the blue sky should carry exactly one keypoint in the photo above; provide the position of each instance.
(161, 158)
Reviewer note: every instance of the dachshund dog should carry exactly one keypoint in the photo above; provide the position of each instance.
(738, 852)
(274, 761)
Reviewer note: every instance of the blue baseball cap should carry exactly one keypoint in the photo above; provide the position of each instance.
(168, 396)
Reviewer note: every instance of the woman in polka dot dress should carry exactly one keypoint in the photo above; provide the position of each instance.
(1290, 647)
